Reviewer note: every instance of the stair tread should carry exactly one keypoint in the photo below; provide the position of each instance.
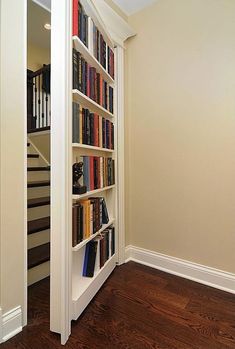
(35, 184)
(32, 156)
(38, 255)
(43, 201)
(46, 128)
(38, 168)
(38, 225)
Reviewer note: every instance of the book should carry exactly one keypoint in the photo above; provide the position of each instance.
(76, 123)
(90, 258)
(105, 215)
(75, 17)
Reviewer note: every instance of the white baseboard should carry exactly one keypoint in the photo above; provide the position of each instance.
(10, 324)
(205, 275)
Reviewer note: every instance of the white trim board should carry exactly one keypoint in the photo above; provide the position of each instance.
(196, 272)
(11, 323)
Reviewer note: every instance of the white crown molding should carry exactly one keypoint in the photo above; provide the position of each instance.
(118, 28)
(10, 323)
(196, 272)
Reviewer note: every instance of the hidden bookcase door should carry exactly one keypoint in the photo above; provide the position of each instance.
(84, 181)
(93, 145)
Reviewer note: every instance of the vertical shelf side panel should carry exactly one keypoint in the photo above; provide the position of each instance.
(61, 177)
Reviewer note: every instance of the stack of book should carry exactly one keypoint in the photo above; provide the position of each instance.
(105, 245)
(80, 22)
(99, 46)
(92, 129)
(102, 52)
(98, 172)
(88, 218)
(89, 82)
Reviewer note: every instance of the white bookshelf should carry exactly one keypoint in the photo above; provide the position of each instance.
(88, 103)
(84, 242)
(84, 288)
(70, 292)
(79, 46)
(91, 147)
(92, 192)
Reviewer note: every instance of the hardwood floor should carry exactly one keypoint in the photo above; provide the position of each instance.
(138, 308)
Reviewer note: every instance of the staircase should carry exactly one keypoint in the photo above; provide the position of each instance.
(38, 216)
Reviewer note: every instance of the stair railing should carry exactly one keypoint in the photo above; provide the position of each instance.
(38, 99)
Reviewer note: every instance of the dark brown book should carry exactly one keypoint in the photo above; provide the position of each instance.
(74, 227)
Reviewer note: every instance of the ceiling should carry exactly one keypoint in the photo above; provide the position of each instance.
(37, 17)
(44, 3)
(132, 6)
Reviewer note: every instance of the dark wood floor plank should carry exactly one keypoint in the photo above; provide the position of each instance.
(137, 308)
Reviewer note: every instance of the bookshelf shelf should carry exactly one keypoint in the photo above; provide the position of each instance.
(88, 103)
(79, 46)
(90, 147)
(93, 192)
(90, 286)
(84, 242)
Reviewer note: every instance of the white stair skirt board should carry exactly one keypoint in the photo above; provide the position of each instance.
(196, 272)
(10, 323)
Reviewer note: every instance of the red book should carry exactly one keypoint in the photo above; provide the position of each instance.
(75, 17)
(101, 91)
(91, 159)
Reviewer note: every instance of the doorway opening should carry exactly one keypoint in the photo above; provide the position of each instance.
(38, 157)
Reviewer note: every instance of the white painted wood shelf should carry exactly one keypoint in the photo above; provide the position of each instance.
(91, 147)
(92, 192)
(84, 242)
(80, 47)
(88, 103)
(91, 286)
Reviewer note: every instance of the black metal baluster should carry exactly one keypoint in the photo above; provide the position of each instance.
(47, 123)
(35, 101)
(43, 114)
(39, 101)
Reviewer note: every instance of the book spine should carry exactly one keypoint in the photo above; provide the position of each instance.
(80, 125)
(101, 172)
(85, 263)
(91, 163)
(74, 230)
(75, 69)
(75, 17)
(88, 207)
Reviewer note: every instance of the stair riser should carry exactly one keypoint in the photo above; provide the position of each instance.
(38, 175)
(38, 273)
(38, 212)
(39, 238)
(38, 192)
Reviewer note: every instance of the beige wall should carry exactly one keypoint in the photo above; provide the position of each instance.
(12, 152)
(180, 137)
(37, 56)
